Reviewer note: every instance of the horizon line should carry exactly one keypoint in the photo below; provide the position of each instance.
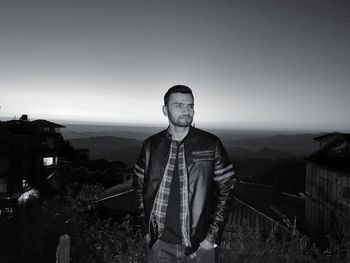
(205, 126)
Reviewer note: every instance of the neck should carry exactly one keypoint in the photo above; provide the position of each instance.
(177, 132)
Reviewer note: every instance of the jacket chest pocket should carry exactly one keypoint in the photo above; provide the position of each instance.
(202, 156)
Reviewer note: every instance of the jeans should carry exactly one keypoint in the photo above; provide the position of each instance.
(163, 252)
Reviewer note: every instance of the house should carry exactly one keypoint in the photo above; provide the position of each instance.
(107, 173)
(327, 189)
(28, 150)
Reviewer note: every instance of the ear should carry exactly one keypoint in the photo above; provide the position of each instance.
(165, 110)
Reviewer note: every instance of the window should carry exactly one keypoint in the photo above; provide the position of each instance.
(4, 164)
(3, 184)
(340, 149)
(47, 161)
(346, 194)
(50, 142)
(325, 186)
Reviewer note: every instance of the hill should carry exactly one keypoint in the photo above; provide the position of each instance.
(264, 159)
(75, 131)
(110, 148)
(264, 153)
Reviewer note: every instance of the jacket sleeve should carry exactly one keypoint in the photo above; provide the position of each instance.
(224, 178)
(137, 183)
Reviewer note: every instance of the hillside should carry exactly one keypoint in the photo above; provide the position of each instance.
(110, 148)
(264, 153)
(267, 159)
(75, 131)
(299, 145)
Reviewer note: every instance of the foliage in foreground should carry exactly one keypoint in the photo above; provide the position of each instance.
(33, 234)
(102, 240)
(113, 242)
(247, 244)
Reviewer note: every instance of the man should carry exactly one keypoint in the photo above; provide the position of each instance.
(183, 181)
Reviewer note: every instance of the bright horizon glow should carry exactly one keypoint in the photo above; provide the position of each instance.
(163, 124)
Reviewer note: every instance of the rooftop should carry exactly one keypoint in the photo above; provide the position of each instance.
(332, 136)
(334, 152)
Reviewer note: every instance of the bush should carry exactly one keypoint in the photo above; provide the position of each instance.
(32, 236)
(101, 240)
(246, 244)
(339, 241)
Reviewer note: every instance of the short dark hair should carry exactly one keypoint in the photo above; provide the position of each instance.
(176, 89)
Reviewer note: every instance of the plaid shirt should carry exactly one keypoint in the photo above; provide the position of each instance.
(158, 213)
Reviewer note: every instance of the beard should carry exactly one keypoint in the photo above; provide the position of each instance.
(182, 121)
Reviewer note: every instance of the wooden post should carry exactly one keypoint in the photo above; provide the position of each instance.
(63, 250)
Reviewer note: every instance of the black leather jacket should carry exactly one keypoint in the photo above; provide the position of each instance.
(210, 182)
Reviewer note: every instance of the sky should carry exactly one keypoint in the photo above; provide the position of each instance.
(251, 64)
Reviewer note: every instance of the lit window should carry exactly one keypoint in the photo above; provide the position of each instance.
(47, 161)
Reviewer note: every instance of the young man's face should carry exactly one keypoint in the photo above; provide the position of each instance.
(180, 109)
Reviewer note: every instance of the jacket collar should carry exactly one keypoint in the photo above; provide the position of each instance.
(187, 137)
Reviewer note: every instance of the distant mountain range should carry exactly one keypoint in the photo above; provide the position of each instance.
(264, 153)
(273, 147)
(297, 145)
(263, 157)
(74, 131)
(110, 147)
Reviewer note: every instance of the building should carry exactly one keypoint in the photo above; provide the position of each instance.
(327, 189)
(102, 171)
(28, 150)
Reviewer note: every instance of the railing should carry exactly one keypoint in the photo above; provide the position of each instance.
(240, 212)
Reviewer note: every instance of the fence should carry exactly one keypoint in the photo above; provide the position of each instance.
(240, 212)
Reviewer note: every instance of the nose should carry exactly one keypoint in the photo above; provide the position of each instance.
(185, 110)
